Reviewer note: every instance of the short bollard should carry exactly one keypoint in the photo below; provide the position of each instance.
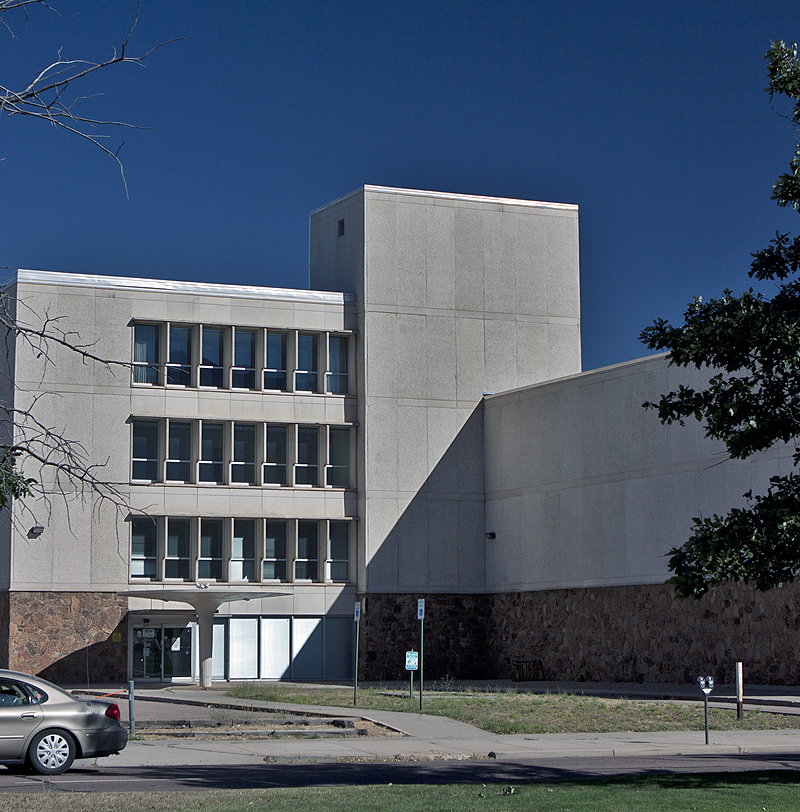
(131, 713)
(706, 686)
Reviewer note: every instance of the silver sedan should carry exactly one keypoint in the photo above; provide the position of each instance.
(44, 727)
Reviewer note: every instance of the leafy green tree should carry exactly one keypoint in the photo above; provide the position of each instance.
(752, 342)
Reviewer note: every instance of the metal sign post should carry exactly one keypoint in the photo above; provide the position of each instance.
(706, 686)
(356, 620)
(421, 619)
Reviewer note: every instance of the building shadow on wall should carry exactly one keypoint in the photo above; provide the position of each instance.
(103, 661)
(435, 551)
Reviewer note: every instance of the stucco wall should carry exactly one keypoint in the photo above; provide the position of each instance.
(457, 295)
(585, 488)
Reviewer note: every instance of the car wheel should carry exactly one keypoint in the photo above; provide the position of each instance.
(52, 752)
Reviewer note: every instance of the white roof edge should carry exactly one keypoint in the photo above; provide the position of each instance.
(176, 286)
(578, 375)
(537, 204)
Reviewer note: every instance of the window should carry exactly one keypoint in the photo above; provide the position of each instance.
(211, 361)
(338, 470)
(243, 466)
(339, 551)
(275, 458)
(179, 452)
(211, 446)
(340, 228)
(145, 450)
(243, 374)
(239, 550)
(275, 371)
(145, 354)
(305, 377)
(144, 548)
(305, 565)
(243, 550)
(338, 362)
(177, 564)
(274, 566)
(209, 563)
(179, 365)
(306, 471)
(250, 358)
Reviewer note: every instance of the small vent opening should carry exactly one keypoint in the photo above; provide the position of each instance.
(340, 228)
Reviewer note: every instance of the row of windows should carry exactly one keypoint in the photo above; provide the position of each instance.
(255, 359)
(232, 453)
(170, 548)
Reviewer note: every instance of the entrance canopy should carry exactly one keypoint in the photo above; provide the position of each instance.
(205, 600)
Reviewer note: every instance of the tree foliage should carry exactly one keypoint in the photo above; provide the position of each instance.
(752, 342)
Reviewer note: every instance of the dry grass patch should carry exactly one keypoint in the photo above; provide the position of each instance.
(512, 712)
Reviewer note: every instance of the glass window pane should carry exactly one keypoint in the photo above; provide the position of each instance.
(338, 363)
(243, 375)
(179, 452)
(243, 468)
(306, 470)
(275, 551)
(179, 365)
(275, 459)
(211, 368)
(211, 452)
(243, 550)
(307, 551)
(145, 450)
(145, 354)
(144, 548)
(275, 371)
(178, 561)
(338, 457)
(340, 541)
(209, 565)
(306, 374)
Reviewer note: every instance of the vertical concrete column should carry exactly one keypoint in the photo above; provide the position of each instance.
(205, 629)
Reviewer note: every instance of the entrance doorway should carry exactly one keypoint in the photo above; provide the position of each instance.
(162, 653)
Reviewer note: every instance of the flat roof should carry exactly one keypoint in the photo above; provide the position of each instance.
(176, 286)
(507, 201)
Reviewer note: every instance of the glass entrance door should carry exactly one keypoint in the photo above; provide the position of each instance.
(162, 652)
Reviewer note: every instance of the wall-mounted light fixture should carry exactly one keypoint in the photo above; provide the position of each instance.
(35, 531)
(491, 535)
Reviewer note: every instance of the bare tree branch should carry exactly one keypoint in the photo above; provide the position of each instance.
(44, 97)
(36, 458)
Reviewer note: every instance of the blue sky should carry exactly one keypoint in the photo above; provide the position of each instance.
(651, 116)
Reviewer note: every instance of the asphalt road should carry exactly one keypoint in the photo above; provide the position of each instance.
(490, 771)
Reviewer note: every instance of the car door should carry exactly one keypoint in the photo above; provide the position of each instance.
(18, 719)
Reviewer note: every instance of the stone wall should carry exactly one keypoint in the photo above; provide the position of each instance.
(457, 631)
(68, 637)
(615, 634)
(645, 634)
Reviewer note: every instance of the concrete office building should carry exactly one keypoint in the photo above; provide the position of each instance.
(415, 425)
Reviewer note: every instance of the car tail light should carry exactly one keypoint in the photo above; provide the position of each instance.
(112, 711)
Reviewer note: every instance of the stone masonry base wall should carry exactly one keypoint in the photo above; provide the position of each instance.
(615, 634)
(457, 631)
(68, 637)
(646, 634)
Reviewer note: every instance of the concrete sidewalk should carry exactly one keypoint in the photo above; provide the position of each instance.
(426, 737)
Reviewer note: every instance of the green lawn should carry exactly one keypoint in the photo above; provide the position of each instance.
(511, 712)
(737, 792)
